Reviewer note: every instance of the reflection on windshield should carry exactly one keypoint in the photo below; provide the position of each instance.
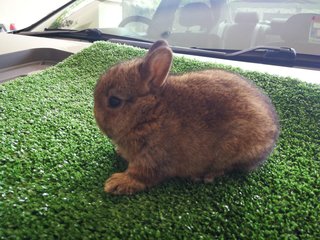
(212, 24)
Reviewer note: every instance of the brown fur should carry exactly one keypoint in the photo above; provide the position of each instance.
(198, 125)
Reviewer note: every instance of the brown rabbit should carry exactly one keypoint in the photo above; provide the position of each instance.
(198, 125)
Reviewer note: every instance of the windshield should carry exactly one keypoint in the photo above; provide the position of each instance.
(209, 24)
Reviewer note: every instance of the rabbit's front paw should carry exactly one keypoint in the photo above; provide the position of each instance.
(122, 183)
(207, 178)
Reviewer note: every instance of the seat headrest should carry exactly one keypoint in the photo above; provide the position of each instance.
(246, 17)
(297, 27)
(277, 25)
(195, 14)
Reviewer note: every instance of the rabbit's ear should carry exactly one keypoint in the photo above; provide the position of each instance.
(157, 44)
(156, 66)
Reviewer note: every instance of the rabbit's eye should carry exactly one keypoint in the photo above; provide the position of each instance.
(114, 102)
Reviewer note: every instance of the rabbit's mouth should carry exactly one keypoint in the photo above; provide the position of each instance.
(102, 124)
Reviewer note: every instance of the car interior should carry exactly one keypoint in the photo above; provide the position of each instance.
(211, 25)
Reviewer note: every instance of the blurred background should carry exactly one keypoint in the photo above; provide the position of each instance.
(18, 14)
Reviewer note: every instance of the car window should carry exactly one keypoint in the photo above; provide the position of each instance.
(136, 15)
(187, 11)
(209, 24)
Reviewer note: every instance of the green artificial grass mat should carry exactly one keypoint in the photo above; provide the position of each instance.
(54, 161)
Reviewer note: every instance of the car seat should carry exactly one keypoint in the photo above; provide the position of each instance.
(242, 33)
(299, 32)
(197, 19)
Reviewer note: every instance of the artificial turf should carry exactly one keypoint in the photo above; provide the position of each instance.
(54, 161)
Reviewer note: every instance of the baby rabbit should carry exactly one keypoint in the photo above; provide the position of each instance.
(198, 125)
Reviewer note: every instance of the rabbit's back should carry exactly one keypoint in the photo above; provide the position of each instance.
(216, 119)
